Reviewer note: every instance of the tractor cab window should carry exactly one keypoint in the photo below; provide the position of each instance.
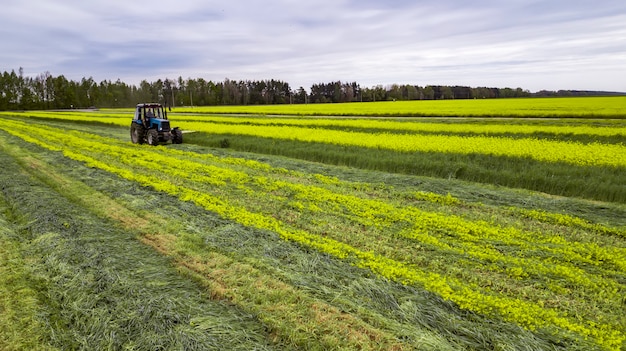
(153, 112)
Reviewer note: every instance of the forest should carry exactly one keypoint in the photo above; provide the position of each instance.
(45, 91)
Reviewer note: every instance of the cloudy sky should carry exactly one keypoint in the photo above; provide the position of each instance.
(556, 44)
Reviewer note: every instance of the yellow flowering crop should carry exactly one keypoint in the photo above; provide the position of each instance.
(594, 154)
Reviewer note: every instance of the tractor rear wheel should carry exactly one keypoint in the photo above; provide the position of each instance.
(178, 136)
(153, 137)
(136, 133)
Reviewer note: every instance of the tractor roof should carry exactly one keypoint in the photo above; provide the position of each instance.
(151, 104)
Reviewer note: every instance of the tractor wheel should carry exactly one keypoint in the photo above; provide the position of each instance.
(153, 137)
(137, 133)
(178, 136)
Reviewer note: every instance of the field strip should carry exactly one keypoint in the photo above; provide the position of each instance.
(303, 320)
(411, 126)
(602, 107)
(576, 153)
(529, 314)
(595, 154)
(406, 126)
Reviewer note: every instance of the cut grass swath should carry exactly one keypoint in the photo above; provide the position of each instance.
(99, 288)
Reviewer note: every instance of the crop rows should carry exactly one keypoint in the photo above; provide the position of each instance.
(595, 154)
(407, 125)
(543, 150)
(567, 284)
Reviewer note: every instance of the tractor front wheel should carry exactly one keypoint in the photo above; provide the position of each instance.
(153, 137)
(136, 133)
(178, 136)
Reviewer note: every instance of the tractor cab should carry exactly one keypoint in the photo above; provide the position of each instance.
(150, 125)
(152, 116)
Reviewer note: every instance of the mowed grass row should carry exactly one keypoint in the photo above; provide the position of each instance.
(20, 327)
(353, 215)
(74, 280)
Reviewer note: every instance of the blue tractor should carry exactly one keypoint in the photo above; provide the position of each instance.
(150, 125)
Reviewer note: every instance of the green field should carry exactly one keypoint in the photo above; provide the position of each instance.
(277, 233)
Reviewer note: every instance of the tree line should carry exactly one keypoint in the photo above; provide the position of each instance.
(44, 91)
